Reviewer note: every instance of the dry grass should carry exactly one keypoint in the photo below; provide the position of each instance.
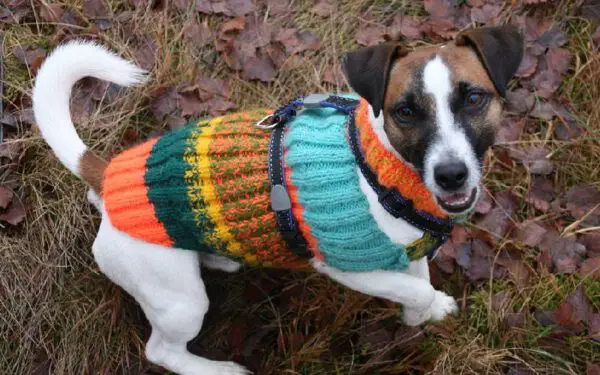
(59, 314)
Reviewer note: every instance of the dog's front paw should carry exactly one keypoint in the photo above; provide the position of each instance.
(231, 368)
(414, 317)
(442, 305)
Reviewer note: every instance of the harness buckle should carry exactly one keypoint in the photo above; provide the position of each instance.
(314, 100)
(268, 122)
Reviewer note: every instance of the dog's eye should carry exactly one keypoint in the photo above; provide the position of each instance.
(404, 113)
(475, 100)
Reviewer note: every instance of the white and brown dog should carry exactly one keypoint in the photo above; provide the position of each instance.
(435, 109)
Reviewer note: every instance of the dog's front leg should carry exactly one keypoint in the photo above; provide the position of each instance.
(412, 290)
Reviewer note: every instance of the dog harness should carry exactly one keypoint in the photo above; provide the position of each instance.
(274, 198)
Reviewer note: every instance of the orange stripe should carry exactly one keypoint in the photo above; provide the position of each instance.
(126, 196)
(391, 171)
(299, 215)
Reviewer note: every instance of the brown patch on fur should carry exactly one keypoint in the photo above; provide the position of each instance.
(91, 167)
(400, 80)
(466, 66)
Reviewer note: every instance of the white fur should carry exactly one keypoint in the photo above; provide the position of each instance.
(167, 282)
(61, 70)
(450, 140)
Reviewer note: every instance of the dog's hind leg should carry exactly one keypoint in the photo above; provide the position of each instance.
(166, 283)
(217, 262)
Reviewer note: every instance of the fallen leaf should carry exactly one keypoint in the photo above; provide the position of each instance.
(71, 18)
(15, 11)
(544, 317)
(277, 53)
(15, 213)
(591, 241)
(95, 9)
(534, 158)
(510, 130)
(541, 193)
(591, 268)
(441, 9)
(295, 42)
(559, 59)
(324, 8)
(484, 203)
(199, 35)
(596, 38)
(33, 57)
(279, 7)
(533, 27)
(260, 68)
(218, 106)
(528, 64)
(11, 150)
(488, 14)
(583, 200)
(546, 83)
(145, 51)
(165, 104)
(568, 127)
(575, 309)
(590, 9)
(235, 24)
(592, 369)
(519, 101)
(500, 300)
(308, 41)
(333, 76)
(543, 110)
(190, 104)
(517, 270)
(231, 8)
(209, 87)
(370, 35)
(515, 320)
(565, 254)
(445, 258)
(478, 262)
(405, 26)
(553, 37)
(51, 12)
(6, 196)
(530, 233)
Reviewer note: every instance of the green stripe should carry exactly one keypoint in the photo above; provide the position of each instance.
(168, 189)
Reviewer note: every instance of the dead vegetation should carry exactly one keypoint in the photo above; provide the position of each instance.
(524, 270)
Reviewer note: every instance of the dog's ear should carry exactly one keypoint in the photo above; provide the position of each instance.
(367, 70)
(500, 49)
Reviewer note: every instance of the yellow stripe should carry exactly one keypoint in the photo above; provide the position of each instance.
(207, 189)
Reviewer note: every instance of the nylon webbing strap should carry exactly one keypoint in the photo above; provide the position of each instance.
(280, 200)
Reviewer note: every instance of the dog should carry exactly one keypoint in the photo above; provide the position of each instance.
(421, 121)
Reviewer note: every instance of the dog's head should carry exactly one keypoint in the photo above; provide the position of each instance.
(439, 107)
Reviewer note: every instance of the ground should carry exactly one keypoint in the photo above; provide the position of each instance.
(523, 269)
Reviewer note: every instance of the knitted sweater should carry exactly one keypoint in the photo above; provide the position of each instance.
(205, 187)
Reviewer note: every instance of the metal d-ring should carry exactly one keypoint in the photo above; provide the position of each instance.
(261, 123)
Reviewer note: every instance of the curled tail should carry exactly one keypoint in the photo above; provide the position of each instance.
(51, 93)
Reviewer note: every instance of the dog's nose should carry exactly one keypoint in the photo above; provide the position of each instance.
(451, 176)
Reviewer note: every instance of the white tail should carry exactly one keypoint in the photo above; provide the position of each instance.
(60, 71)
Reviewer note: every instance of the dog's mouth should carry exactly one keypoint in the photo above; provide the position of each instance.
(457, 203)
